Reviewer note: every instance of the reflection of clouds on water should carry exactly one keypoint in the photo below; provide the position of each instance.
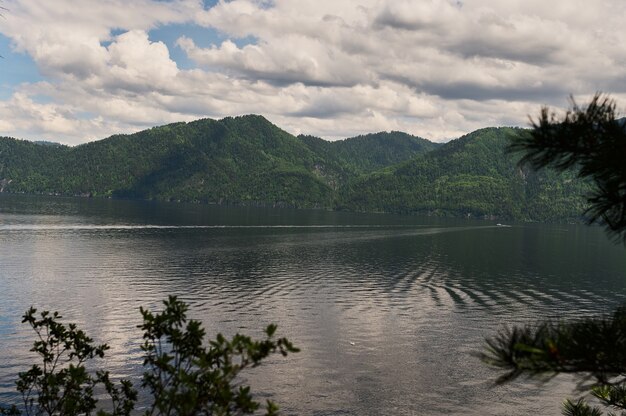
(113, 227)
(387, 315)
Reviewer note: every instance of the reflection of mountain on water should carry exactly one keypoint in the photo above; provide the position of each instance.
(416, 296)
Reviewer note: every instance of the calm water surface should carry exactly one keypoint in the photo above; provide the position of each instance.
(388, 310)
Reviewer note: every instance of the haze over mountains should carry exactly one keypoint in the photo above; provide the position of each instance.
(248, 160)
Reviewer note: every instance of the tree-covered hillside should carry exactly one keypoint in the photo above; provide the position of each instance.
(25, 166)
(370, 152)
(248, 160)
(470, 176)
(235, 160)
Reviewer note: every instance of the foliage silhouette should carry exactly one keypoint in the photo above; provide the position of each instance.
(591, 141)
(187, 378)
(183, 375)
(61, 385)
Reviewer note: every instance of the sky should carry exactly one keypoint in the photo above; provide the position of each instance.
(75, 71)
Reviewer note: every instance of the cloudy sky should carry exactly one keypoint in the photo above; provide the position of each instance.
(80, 70)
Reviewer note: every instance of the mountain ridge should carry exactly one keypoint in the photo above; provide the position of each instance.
(248, 160)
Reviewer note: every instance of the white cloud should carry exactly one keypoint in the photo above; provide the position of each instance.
(136, 63)
(334, 68)
(295, 59)
(24, 117)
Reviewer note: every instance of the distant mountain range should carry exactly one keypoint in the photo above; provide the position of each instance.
(249, 161)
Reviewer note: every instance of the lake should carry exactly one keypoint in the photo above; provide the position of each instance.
(388, 310)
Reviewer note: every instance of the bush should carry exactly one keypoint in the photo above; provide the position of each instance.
(183, 375)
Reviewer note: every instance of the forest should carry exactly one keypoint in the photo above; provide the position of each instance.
(249, 161)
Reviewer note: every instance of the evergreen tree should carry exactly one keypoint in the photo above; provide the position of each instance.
(591, 141)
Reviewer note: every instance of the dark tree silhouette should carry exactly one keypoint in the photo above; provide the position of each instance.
(592, 141)
(184, 374)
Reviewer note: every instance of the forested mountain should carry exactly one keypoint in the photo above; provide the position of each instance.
(470, 176)
(370, 152)
(248, 160)
(236, 160)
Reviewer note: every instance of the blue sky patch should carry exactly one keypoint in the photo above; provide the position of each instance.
(15, 68)
(202, 37)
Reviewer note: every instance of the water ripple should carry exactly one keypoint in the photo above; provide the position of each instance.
(387, 315)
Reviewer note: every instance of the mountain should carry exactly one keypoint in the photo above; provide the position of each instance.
(471, 176)
(25, 165)
(234, 160)
(370, 152)
(248, 160)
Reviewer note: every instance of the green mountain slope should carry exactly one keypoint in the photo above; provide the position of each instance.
(27, 166)
(233, 160)
(470, 176)
(370, 152)
(248, 160)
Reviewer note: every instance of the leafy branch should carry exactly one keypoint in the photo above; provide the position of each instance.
(183, 375)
